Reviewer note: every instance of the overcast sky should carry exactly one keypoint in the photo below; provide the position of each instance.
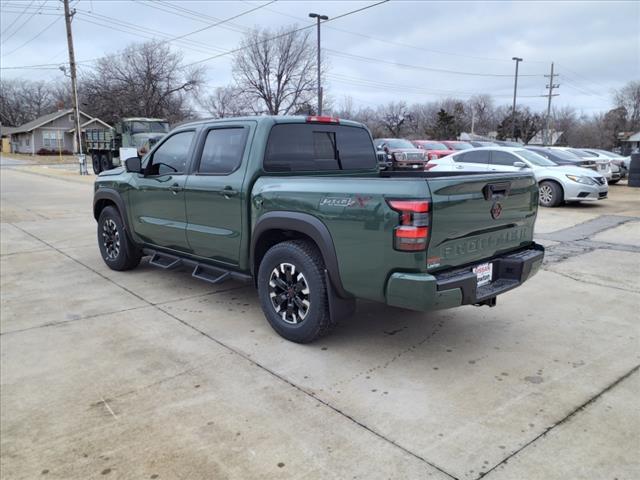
(595, 45)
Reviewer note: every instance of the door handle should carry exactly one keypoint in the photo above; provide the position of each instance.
(459, 167)
(228, 192)
(175, 188)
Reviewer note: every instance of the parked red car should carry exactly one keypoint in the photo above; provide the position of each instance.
(433, 149)
(457, 145)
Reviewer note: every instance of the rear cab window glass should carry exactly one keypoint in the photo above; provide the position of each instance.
(223, 150)
(296, 147)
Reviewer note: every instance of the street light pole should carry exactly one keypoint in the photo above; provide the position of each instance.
(515, 90)
(319, 17)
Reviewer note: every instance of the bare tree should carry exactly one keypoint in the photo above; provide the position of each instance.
(393, 116)
(628, 97)
(145, 79)
(482, 109)
(227, 102)
(277, 70)
(23, 100)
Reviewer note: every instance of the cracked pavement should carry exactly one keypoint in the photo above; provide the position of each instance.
(152, 374)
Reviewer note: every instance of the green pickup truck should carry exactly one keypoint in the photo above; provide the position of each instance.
(298, 207)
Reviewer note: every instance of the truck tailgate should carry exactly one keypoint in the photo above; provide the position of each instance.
(476, 217)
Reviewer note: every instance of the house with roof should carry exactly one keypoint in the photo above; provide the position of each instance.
(630, 142)
(53, 132)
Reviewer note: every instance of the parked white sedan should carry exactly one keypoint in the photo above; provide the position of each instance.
(558, 183)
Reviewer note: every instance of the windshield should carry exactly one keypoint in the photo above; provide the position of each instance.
(434, 146)
(535, 159)
(564, 155)
(461, 146)
(149, 127)
(609, 154)
(399, 143)
(580, 153)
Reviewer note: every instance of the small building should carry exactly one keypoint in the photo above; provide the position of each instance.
(540, 138)
(630, 143)
(53, 132)
(5, 135)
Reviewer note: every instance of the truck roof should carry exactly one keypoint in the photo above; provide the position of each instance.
(271, 119)
(143, 119)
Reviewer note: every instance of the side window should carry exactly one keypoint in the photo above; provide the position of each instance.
(474, 156)
(172, 155)
(503, 158)
(223, 150)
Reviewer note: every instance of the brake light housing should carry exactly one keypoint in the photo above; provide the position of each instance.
(412, 232)
(322, 119)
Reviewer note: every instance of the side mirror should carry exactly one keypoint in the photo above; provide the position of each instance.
(519, 164)
(133, 165)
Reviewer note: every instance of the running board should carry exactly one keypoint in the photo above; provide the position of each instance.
(210, 274)
(201, 271)
(164, 261)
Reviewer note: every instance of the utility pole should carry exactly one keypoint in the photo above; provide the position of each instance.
(550, 87)
(319, 17)
(515, 91)
(68, 15)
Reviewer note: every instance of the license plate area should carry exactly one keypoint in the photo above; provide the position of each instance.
(484, 273)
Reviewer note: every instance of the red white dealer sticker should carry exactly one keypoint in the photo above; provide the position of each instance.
(484, 272)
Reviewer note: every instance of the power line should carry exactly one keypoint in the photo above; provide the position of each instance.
(291, 32)
(419, 67)
(18, 17)
(391, 42)
(193, 15)
(359, 82)
(23, 23)
(34, 37)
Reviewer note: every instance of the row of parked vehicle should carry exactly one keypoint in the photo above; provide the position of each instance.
(564, 174)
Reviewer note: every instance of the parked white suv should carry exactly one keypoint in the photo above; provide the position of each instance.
(557, 183)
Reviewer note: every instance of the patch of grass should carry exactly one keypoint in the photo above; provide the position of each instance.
(42, 159)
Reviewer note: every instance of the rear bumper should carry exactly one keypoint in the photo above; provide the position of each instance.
(452, 288)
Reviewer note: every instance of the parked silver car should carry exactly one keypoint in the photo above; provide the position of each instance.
(603, 164)
(558, 183)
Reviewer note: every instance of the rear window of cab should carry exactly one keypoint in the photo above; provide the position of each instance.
(308, 147)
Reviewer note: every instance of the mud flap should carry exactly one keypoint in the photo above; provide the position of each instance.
(339, 308)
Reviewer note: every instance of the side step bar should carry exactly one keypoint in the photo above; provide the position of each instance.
(210, 274)
(201, 271)
(164, 261)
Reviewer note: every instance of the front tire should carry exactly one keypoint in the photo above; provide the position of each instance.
(117, 251)
(293, 292)
(550, 194)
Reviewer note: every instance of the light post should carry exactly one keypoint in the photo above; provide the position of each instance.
(515, 90)
(319, 17)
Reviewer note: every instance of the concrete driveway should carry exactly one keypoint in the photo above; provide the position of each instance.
(151, 374)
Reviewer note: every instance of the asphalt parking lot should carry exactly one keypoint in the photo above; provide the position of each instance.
(151, 374)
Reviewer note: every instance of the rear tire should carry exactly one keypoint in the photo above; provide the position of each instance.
(293, 292)
(117, 251)
(105, 162)
(550, 194)
(95, 163)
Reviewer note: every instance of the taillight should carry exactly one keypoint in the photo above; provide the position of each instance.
(322, 119)
(412, 233)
